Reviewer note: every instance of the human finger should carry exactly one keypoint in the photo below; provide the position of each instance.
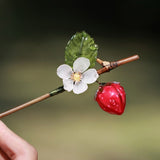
(14, 146)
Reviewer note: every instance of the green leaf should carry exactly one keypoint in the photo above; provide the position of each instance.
(81, 45)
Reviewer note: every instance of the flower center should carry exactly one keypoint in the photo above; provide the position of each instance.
(76, 76)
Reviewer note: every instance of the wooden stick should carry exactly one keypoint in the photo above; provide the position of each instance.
(110, 65)
(36, 100)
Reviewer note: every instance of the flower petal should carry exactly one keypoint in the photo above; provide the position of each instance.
(64, 71)
(68, 84)
(80, 87)
(81, 64)
(90, 76)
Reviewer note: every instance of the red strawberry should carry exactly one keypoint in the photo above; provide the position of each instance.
(111, 98)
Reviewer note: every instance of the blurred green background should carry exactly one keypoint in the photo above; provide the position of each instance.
(33, 36)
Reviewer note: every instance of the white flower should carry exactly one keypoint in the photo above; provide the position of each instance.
(78, 78)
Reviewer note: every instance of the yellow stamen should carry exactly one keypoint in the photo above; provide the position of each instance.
(76, 77)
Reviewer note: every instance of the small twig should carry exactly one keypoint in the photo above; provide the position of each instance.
(99, 61)
(107, 67)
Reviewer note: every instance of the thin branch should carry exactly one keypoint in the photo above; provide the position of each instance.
(107, 66)
(36, 100)
(15, 109)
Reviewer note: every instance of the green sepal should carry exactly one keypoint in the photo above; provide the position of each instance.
(81, 45)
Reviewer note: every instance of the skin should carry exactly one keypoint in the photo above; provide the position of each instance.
(13, 147)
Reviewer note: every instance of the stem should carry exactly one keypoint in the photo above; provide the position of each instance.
(127, 60)
(107, 68)
(36, 100)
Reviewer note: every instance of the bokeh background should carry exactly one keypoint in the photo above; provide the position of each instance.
(33, 36)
